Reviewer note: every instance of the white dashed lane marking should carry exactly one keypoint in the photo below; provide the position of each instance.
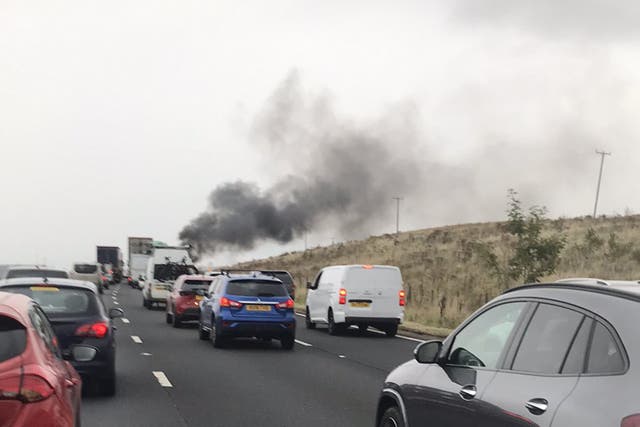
(162, 379)
(136, 339)
(306, 344)
(124, 320)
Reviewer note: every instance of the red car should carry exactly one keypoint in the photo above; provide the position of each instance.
(183, 303)
(37, 387)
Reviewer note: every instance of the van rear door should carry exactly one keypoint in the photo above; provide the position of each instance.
(373, 291)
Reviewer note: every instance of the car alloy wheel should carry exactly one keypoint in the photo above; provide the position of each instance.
(391, 418)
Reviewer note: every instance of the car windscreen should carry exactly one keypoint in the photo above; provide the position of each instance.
(85, 268)
(58, 301)
(256, 288)
(193, 285)
(37, 272)
(13, 338)
(172, 271)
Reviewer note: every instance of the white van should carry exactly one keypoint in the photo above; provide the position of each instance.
(163, 268)
(362, 295)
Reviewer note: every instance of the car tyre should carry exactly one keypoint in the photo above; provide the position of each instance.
(307, 320)
(169, 318)
(332, 327)
(391, 418)
(177, 323)
(108, 386)
(202, 334)
(391, 331)
(287, 342)
(363, 329)
(216, 338)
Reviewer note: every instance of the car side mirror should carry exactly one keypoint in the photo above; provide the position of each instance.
(116, 312)
(309, 285)
(428, 352)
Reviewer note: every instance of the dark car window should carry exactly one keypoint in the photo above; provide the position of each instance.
(605, 356)
(253, 288)
(85, 268)
(547, 339)
(284, 277)
(42, 326)
(482, 341)
(60, 301)
(193, 285)
(37, 272)
(13, 338)
(574, 363)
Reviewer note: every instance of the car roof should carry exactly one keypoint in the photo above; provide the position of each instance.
(15, 305)
(627, 292)
(197, 277)
(34, 267)
(68, 283)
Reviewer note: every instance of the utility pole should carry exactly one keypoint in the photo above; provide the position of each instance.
(397, 199)
(602, 154)
(305, 240)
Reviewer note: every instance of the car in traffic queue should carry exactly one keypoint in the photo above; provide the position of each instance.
(15, 271)
(83, 326)
(362, 295)
(183, 302)
(547, 355)
(37, 386)
(247, 306)
(88, 272)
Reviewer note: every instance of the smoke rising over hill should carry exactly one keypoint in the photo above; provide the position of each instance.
(337, 173)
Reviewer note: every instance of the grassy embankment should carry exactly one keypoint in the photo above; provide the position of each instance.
(445, 277)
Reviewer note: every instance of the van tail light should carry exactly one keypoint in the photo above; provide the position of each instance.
(402, 298)
(226, 302)
(93, 330)
(631, 421)
(34, 388)
(342, 296)
(288, 304)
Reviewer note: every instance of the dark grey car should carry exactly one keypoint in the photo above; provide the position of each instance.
(538, 355)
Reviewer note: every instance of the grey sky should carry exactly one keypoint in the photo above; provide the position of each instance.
(120, 118)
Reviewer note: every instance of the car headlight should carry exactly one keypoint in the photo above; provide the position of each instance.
(83, 353)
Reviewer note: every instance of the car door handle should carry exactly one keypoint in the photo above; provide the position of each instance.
(468, 392)
(537, 406)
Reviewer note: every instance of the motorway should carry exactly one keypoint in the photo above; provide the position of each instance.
(168, 377)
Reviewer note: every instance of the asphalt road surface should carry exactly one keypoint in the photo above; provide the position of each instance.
(168, 377)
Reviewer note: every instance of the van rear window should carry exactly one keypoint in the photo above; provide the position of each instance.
(85, 268)
(13, 338)
(256, 288)
(373, 278)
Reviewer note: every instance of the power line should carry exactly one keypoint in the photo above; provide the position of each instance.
(602, 154)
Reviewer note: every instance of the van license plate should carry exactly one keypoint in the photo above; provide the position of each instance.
(359, 304)
(253, 307)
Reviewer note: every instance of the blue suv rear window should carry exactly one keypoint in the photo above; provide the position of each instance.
(255, 288)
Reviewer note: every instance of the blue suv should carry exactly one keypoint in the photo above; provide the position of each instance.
(247, 306)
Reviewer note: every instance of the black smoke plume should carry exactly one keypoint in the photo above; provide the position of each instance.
(336, 173)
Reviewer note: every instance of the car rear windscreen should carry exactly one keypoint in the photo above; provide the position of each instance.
(192, 285)
(283, 277)
(85, 268)
(37, 272)
(13, 338)
(59, 301)
(254, 288)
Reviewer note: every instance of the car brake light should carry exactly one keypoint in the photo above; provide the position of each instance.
(129, 279)
(288, 304)
(342, 296)
(93, 330)
(226, 302)
(631, 421)
(34, 388)
(402, 299)
(104, 278)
